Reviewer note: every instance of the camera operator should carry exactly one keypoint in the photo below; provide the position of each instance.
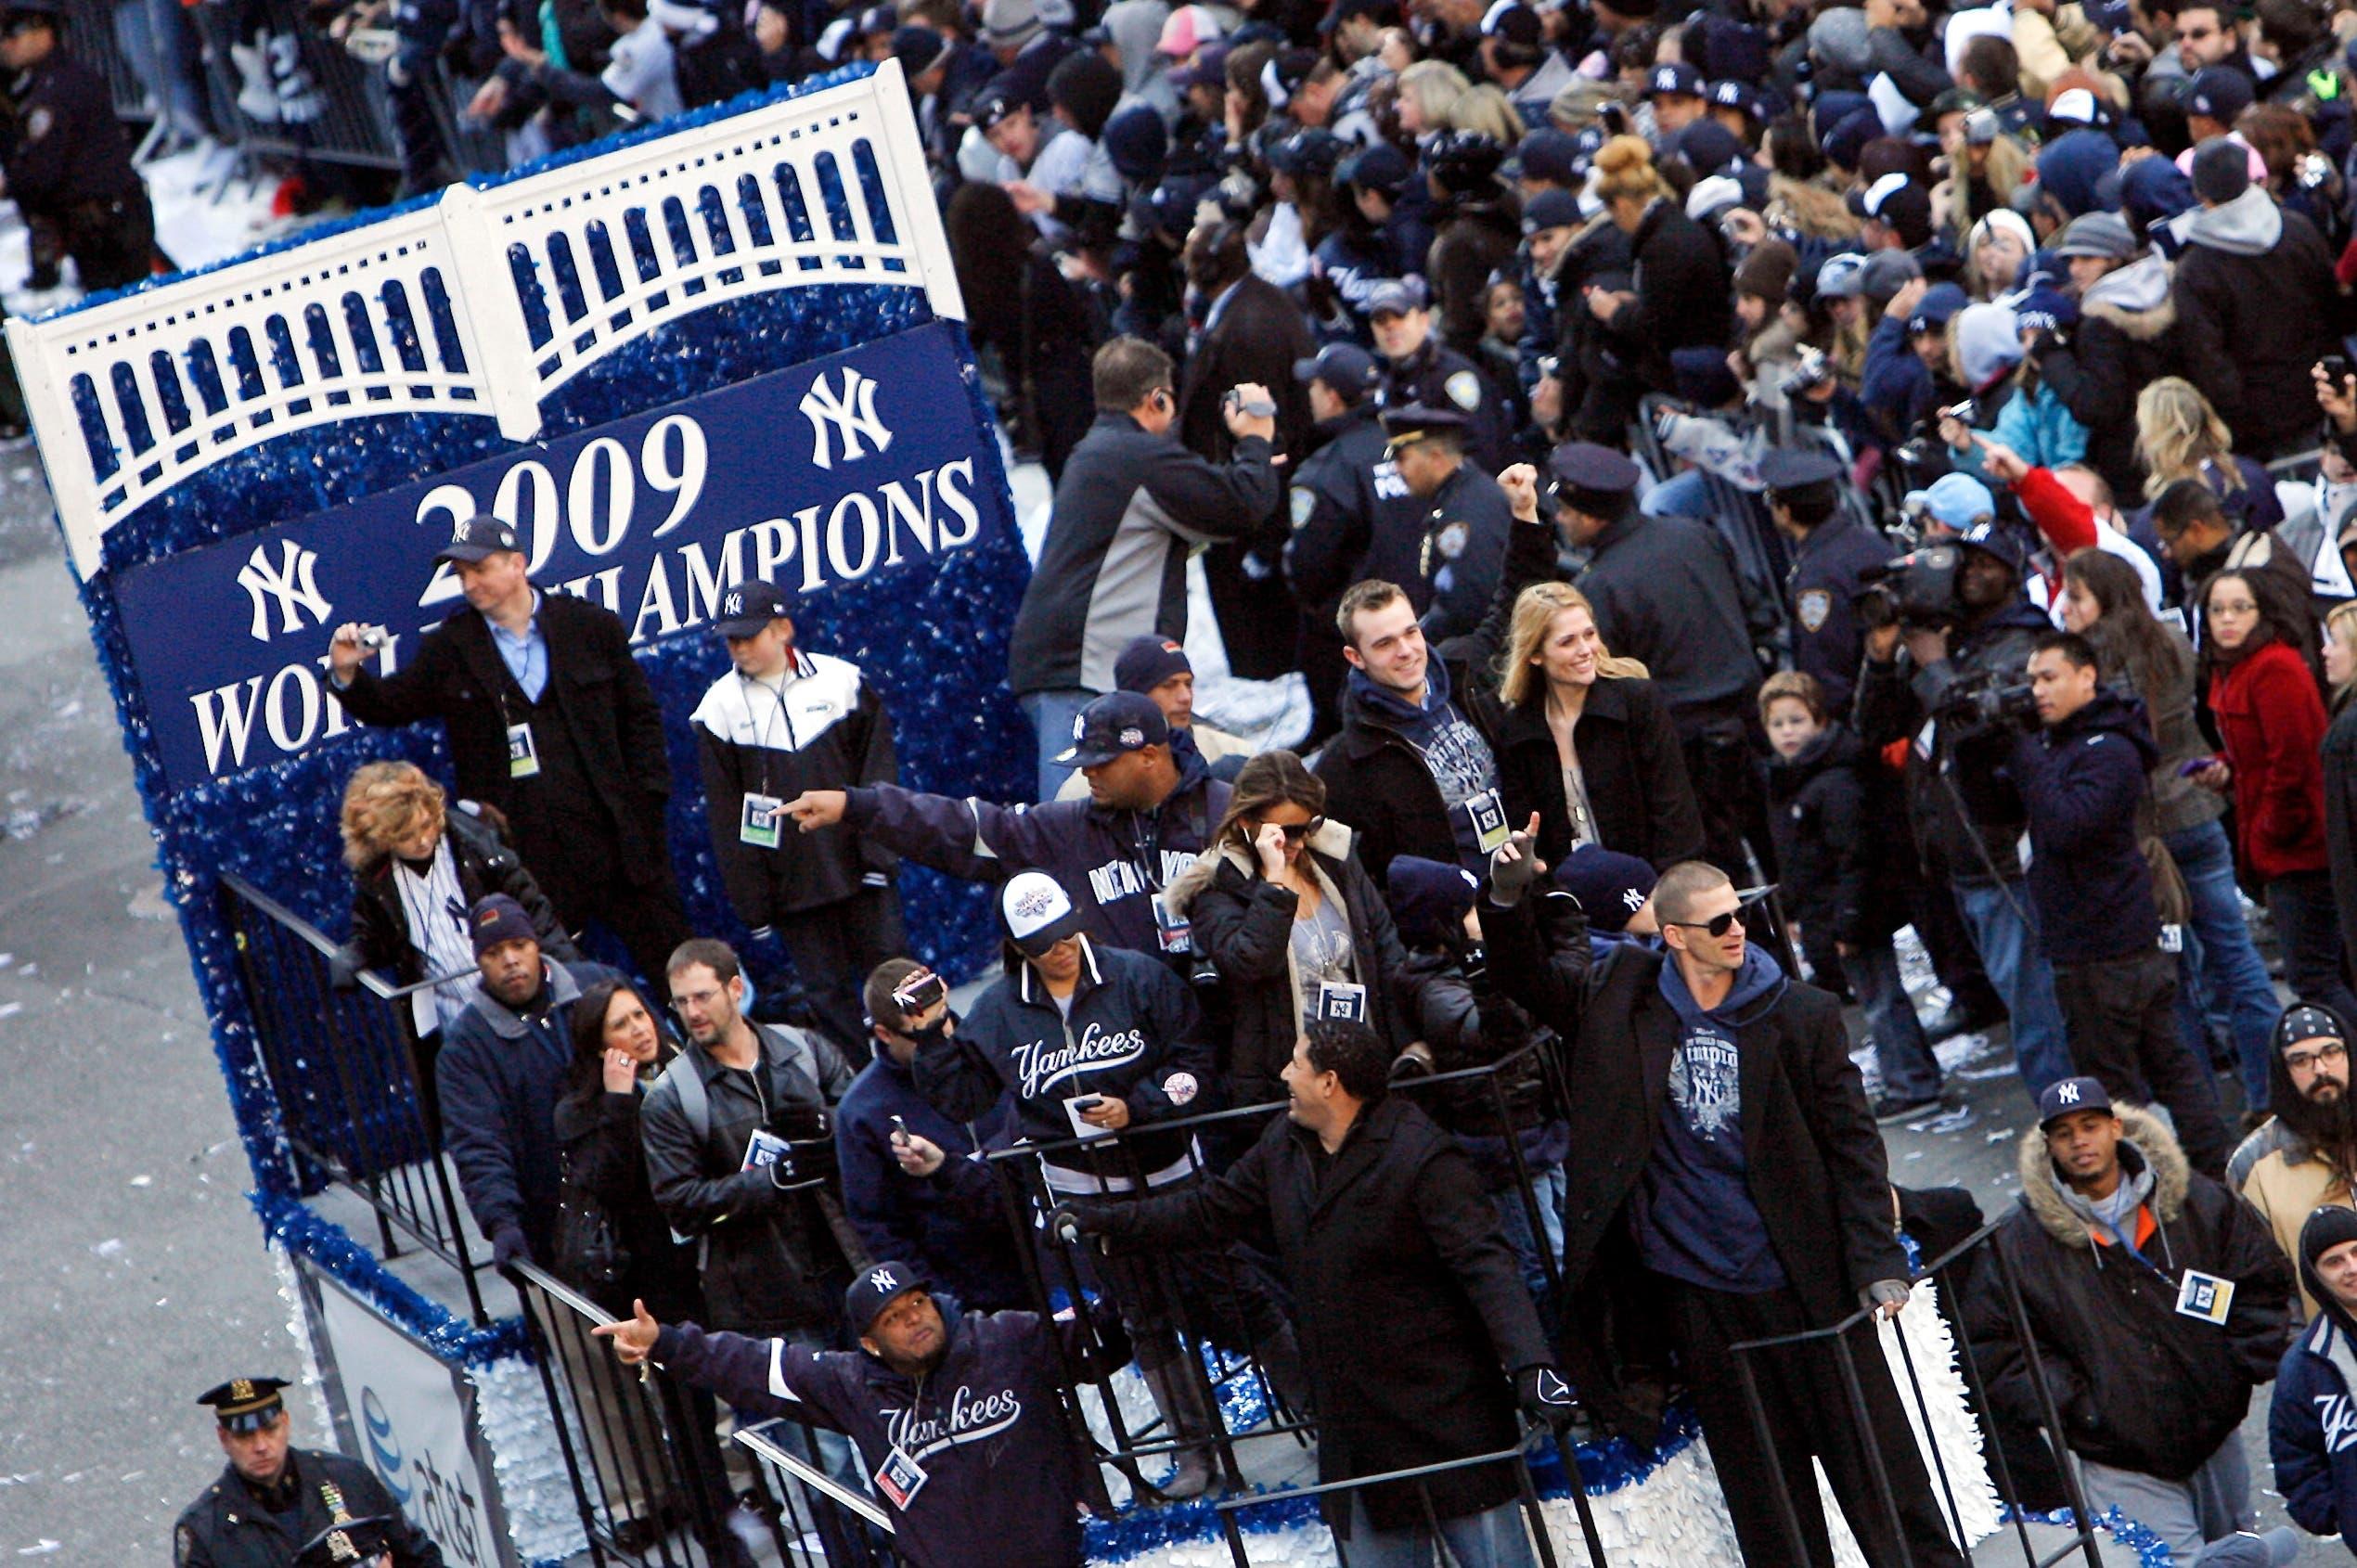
(2081, 777)
(1966, 627)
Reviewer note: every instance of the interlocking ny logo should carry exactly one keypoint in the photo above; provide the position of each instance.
(851, 415)
(882, 1279)
(290, 584)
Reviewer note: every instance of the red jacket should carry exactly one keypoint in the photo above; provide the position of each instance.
(2272, 723)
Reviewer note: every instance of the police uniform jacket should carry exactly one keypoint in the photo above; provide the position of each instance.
(1464, 551)
(61, 144)
(1826, 639)
(1354, 518)
(1666, 590)
(459, 677)
(228, 1527)
(825, 728)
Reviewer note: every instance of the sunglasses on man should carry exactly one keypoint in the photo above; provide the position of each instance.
(1720, 924)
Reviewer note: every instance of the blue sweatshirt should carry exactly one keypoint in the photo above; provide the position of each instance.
(1693, 1214)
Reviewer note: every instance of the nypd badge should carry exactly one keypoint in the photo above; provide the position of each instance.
(1450, 540)
(37, 123)
(1814, 604)
(1304, 502)
(1463, 390)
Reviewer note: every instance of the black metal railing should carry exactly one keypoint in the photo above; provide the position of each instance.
(1841, 1338)
(1231, 1510)
(344, 1063)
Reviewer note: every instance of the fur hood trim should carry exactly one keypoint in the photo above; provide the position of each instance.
(2040, 1186)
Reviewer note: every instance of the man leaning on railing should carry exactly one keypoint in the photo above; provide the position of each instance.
(957, 1413)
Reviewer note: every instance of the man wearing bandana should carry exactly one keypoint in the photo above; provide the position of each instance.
(2301, 1156)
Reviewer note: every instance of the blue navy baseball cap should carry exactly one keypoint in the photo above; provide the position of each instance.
(875, 1288)
(479, 538)
(2060, 1099)
(750, 606)
(1545, 154)
(1346, 369)
(1784, 468)
(1114, 726)
(1674, 78)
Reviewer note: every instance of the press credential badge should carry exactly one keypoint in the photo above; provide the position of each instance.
(523, 757)
(758, 821)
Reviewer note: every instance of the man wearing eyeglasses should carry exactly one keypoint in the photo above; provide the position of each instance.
(1730, 1186)
(2302, 1155)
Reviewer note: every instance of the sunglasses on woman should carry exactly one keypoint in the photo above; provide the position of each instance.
(1296, 831)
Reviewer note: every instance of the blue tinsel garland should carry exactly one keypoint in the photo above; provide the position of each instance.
(297, 1229)
(2150, 1549)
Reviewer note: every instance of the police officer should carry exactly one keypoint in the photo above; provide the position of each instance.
(1466, 518)
(274, 1506)
(67, 162)
(1831, 550)
(1420, 368)
(1353, 517)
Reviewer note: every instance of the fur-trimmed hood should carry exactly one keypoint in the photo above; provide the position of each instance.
(1331, 840)
(2040, 1188)
(2136, 299)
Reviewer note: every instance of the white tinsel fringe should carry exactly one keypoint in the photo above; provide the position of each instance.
(512, 1407)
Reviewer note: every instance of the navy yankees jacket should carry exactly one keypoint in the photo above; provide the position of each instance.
(1002, 1473)
(1133, 1033)
(2312, 1426)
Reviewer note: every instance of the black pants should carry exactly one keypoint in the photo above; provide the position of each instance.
(1809, 1416)
(1725, 776)
(2121, 1015)
(112, 243)
(582, 873)
(834, 949)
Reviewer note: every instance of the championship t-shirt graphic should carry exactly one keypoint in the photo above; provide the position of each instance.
(1703, 1083)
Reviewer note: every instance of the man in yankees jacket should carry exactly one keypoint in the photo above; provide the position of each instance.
(781, 721)
(957, 1414)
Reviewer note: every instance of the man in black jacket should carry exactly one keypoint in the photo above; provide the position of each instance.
(1419, 367)
(500, 1072)
(1415, 767)
(1468, 520)
(1364, 1198)
(784, 720)
(550, 720)
(1131, 505)
(1666, 590)
(2081, 779)
(1731, 1183)
(1353, 517)
(2157, 1301)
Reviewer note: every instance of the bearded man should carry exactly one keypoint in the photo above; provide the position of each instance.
(2301, 1156)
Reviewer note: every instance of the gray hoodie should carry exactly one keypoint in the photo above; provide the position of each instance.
(2250, 225)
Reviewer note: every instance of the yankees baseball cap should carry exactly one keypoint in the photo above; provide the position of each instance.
(1038, 911)
(1114, 724)
(875, 1289)
(479, 538)
(748, 607)
(2058, 1100)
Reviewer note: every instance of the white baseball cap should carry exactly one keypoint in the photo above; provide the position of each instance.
(1038, 911)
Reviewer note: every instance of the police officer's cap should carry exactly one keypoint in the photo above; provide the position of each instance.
(1591, 479)
(46, 11)
(1349, 370)
(1783, 470)
(1397, 296)
(351, 1540)
(245, 1404)
(1415, 422)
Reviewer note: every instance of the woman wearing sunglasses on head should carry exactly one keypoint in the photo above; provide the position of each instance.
(1287, 916)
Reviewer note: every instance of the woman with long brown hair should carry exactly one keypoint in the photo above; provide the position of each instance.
(1292, 922)
(1587, 742)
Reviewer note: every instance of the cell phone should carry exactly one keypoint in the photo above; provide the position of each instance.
(918, 992)
(1259, 407)
(1089, 1102)
(900, 1129)
(2336, 368)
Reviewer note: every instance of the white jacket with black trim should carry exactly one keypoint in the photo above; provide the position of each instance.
(825, 729)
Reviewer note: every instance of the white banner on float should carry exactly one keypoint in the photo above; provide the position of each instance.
(412, 1417)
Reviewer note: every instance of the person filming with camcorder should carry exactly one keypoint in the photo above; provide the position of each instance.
(1948, 629)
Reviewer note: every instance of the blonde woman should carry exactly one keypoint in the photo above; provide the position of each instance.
(2179, 435)
(1428, 89)
(418, 868)
(1487, 111)
(1683, 296)
(1587, 742)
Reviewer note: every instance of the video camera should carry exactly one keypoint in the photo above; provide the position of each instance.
(1984, 701)
(1918, 590)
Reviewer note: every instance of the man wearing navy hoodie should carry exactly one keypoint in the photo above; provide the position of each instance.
(2082, 780)
(958, 1415)
(1730, 1185)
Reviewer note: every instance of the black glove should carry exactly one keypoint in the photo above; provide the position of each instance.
(1544, 1396)
(1076, 1218)
(509, 1248)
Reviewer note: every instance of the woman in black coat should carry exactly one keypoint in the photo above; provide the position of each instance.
(1586, 742)
(1020, 306)
(1289, 918)
(1680, 291)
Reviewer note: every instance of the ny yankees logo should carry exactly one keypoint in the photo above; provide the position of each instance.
(851, 415)
(882, 1279)
(290, 584)
(2066, 1094)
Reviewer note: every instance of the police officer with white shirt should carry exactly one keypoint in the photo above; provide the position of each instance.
(781, 721)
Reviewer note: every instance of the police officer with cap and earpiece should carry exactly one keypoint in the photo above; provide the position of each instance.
(275, 1506)
(1832, 551)
(1467, 521)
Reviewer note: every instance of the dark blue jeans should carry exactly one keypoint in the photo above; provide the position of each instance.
(2221, 970)
(1908, 1070)
(2308, 926)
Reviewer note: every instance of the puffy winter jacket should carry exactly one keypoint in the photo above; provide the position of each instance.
(2139, 1385)
(1840, 829)
(2256, 306)
(2123, 344)
(2081, 781)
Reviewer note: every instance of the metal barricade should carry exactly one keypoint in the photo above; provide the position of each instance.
(1837, 1337)
(95, 35)
(342, 1064)
(1229, 1510)
(642, 1453)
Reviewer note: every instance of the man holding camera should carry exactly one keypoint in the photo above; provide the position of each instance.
(2081, 777)
(1968, 628)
